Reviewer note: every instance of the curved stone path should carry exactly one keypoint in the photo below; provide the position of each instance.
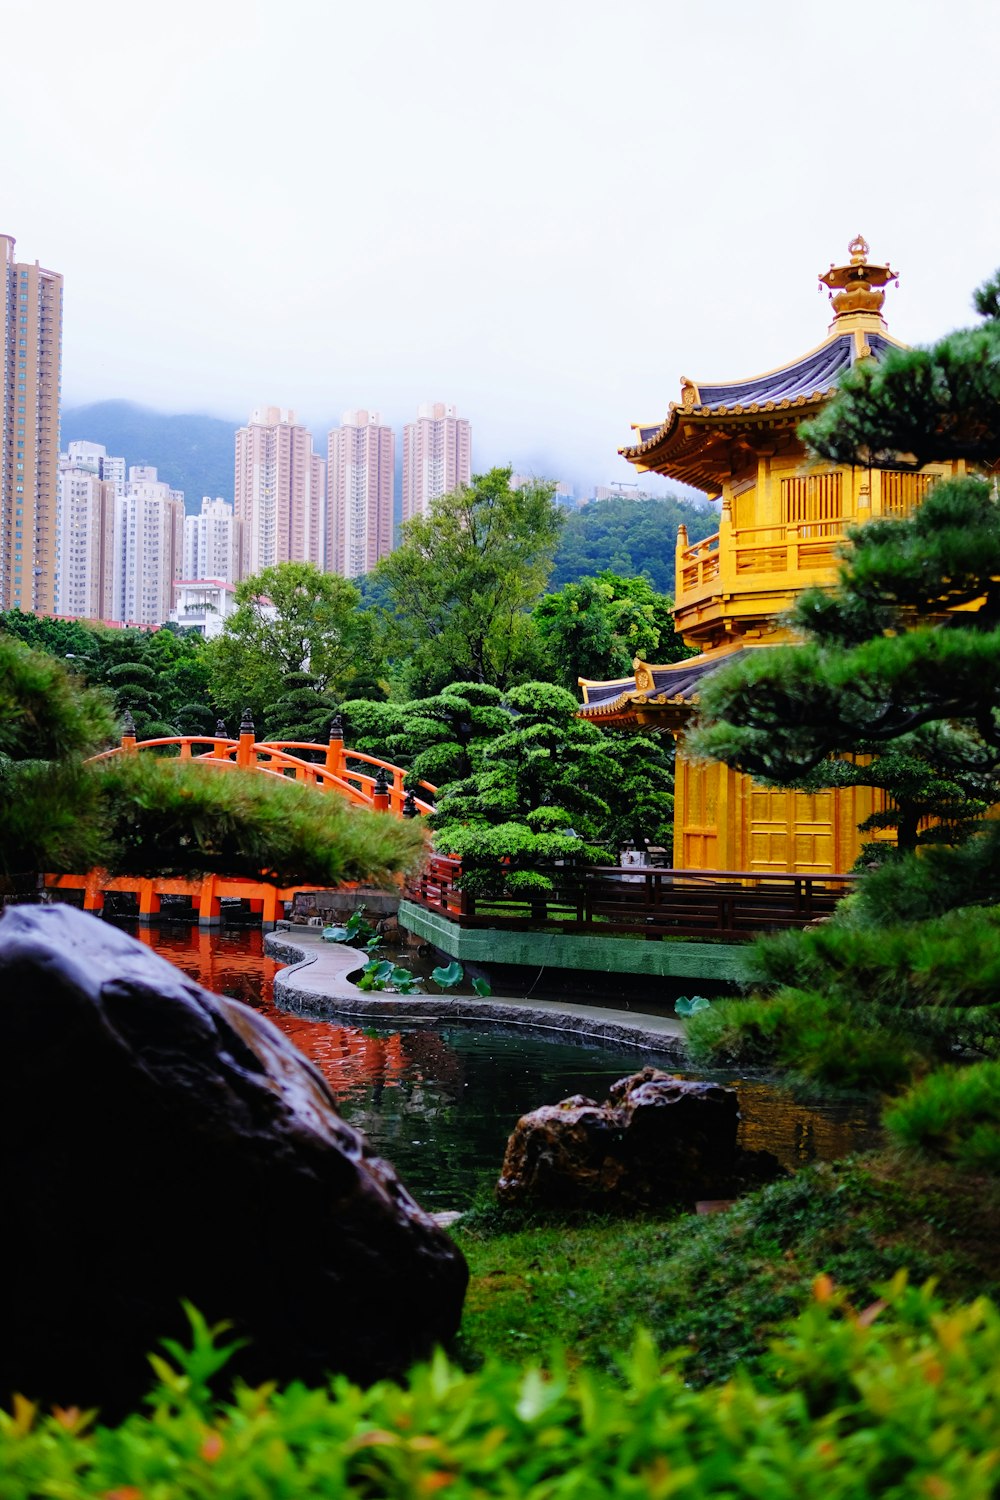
(316, 984)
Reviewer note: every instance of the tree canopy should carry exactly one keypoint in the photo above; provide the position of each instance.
(458, 588)
(289, 619)
(596, 626)
(630, 538)
(551, 787)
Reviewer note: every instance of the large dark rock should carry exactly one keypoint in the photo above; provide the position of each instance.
(656, 1140)
(161, 1142)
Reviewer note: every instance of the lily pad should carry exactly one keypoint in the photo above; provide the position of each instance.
(447, 976)
(690, 1005)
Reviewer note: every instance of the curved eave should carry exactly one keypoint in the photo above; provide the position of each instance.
(682, 447)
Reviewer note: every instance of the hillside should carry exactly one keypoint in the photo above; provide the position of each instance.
(192, 453)
(629, 537)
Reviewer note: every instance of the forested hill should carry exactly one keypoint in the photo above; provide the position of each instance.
(629, 537)
(192, 453)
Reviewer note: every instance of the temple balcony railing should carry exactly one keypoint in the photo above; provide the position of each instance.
(735, 563)
(756, 560)
(648, 903)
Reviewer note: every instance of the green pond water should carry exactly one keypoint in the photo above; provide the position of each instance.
(439, 1100)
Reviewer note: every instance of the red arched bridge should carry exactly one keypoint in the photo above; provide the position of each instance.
(364, 780)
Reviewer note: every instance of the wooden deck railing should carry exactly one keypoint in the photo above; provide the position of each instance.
(650, 903)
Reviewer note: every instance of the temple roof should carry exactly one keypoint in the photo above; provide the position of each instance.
(808, 381)
(689, 443)
(651, 691)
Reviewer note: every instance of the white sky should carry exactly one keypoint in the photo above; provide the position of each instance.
(545, 212)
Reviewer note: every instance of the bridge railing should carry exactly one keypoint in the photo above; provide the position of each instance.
(654, 903)
(336, 772)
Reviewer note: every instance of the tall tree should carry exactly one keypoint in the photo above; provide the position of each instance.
(289, 619)
(460, 586)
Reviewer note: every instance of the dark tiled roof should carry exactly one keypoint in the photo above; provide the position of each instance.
(676, 682)
(808, 378)
(816, 372)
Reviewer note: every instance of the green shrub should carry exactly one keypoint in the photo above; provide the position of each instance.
(899, 1399)
(953, 1114)
(812, 1034)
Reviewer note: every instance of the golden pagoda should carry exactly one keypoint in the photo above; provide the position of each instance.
(783, 517)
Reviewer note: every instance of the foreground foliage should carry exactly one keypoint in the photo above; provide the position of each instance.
(897, 1399)
(166, 818)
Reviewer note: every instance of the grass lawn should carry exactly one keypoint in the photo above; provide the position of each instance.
(718, 1285)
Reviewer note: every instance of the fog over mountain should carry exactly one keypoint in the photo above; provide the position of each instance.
(192, 453)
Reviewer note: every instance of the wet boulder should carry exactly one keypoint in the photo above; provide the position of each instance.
(656, 1140)
(160, 1143)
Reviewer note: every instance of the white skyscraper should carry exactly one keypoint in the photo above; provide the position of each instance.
(149, 541)
(437, 456)
(211, 543)
(360, 487)
(85, 520)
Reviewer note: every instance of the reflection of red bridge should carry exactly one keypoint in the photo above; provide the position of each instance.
(361, 779)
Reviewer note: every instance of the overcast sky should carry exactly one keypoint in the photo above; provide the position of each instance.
(545, 212)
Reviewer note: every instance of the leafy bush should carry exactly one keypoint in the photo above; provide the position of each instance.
(953, 1114)
(898, 1399)
(807, 1032)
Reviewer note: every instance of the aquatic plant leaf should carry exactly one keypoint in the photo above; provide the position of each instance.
(690, 1005)
(447, 976)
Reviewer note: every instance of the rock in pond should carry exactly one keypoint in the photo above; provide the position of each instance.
(161, 1142)
(656, 1140)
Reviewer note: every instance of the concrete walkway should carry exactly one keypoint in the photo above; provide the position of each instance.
(316, 984)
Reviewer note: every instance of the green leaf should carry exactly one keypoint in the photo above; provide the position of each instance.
(482, 987)
(445, 977)
(336, 935)
(686, 1006)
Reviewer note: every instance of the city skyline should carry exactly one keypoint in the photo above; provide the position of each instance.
(571, 205)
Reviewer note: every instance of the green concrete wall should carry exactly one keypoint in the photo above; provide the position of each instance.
(554, 950)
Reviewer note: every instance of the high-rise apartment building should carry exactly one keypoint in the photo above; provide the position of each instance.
(29, 431)
(280, 492)
(211, 543)
(149, 548)
(437, 456)
(361, 461)
(85, 534)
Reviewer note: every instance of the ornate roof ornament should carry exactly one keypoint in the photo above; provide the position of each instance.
(857, 286)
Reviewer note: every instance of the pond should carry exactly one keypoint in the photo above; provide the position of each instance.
(439, 1100)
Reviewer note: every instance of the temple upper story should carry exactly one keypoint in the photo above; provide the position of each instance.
(783, 515)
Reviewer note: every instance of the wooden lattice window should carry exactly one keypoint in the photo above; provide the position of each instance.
(902, 491)
(813, 498)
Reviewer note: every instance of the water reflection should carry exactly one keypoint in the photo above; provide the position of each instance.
(440, 1100)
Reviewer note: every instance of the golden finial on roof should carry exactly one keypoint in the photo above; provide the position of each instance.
(857, 285)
